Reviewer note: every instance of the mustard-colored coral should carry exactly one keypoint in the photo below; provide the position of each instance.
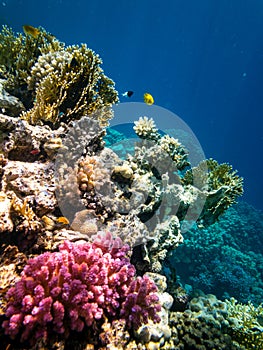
(24, 217)
(221, 185)
(246, 323)
(18, 53)
(54, 82)
(69, 84)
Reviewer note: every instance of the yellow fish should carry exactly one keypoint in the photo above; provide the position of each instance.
(29, 30)
(63, 220)
(148, 99)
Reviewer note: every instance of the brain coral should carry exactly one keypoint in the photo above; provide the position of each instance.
(77, 286)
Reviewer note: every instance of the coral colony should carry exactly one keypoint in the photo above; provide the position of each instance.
(96, 274)
(75, 287)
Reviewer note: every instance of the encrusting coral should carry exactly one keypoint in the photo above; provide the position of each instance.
(209, 323)
(173, 191)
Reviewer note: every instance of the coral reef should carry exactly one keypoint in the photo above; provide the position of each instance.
(209, 323)
(225, 258)
(67, 204)
(189, 332)
(9, 104)
(18, 54)
(146, 128)
(11, 265)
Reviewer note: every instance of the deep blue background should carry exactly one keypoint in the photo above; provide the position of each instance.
(200, 59)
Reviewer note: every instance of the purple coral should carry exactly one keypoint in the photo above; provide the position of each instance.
(141, 303)
(76, 286)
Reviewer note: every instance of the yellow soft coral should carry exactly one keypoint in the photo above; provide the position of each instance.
(246, 323)
(69, 84)
(55, 83)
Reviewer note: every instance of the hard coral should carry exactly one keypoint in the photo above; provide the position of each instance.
(68, 84)
(138, 306)
(245, 323)
(18, 55)
(77, 286)
(53, 82)
(221, 185)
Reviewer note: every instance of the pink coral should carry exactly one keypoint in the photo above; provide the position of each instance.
(141, 303)
(76, 286)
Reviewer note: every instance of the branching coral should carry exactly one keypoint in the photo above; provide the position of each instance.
(24, 218)
(75, 287)
(138, 305)
(55, 83)
(220, 183)
(246, 324)
(145, 128)
(69, 84)
(18, 55)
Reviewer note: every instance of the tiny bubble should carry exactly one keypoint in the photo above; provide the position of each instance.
(244, 74)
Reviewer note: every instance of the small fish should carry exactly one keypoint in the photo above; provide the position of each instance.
(29, 30)
(148, 99)
(62, 220)
(127, 93)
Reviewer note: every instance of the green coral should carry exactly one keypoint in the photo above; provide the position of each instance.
(55, 83)
(246, 323)
(18, 53)
(225, 258)
(221, 184)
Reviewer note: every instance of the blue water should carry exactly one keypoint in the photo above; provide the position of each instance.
(200, 59)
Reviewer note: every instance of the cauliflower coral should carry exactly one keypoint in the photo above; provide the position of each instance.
(75, 287)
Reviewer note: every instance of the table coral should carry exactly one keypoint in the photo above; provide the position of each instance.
(76, 287)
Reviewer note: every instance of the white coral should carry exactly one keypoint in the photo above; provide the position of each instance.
(145, 127)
